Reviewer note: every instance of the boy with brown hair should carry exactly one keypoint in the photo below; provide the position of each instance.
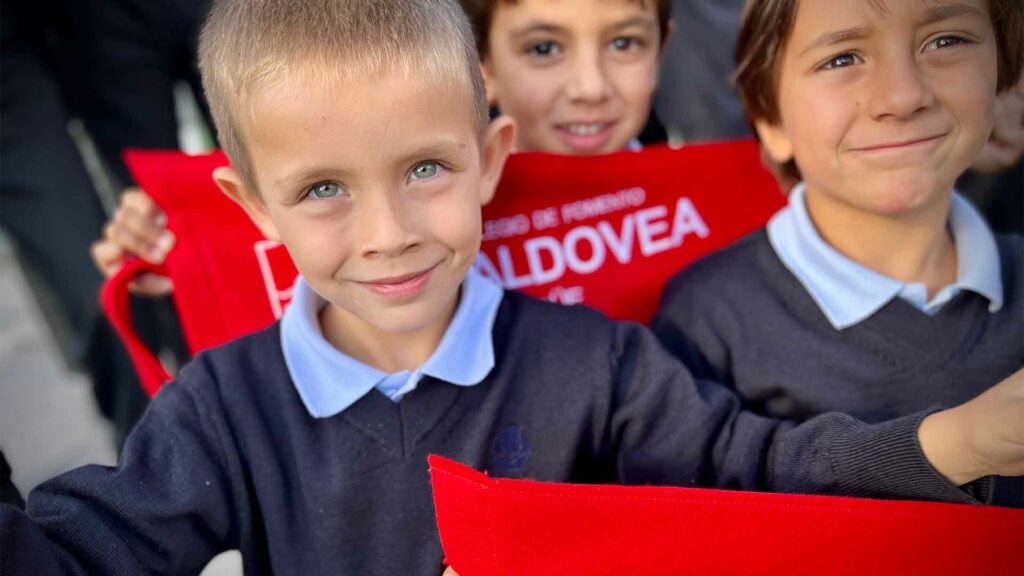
(576, 76)
(358, 137)
(878, 291)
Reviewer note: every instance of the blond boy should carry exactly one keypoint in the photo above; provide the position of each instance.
(357, 136)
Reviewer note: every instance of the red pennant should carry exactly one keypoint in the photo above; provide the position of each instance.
(495, 527)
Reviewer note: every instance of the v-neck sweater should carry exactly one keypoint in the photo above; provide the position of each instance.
(227, 456)
(742, 318)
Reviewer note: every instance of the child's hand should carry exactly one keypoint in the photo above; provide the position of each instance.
(1006, 145)
(980, 438)
(450, 572)
(138, 228)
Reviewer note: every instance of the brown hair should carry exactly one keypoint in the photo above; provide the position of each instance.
(766, 26)
(480, 13)
(248, 44)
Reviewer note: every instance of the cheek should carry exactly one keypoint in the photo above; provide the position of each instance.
(974, 108)
(819, 120)
(455, 221)
(318, 247)
(635, 84)
(526, 93)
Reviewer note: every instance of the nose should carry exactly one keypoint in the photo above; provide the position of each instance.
(386, 228)
(588, 81)
(899, 88)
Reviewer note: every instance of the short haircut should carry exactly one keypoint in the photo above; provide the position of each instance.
(481, 12)
(249, 44)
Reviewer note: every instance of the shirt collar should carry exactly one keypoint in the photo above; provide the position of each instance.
(329, 381)
(848, 293)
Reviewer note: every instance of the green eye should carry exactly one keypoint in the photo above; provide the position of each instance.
(425, 170)
(325, 190)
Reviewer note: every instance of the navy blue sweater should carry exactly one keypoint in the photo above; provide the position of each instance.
(741, 318)
(228, 457)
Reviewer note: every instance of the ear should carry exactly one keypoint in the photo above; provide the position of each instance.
(485, 71)
(498, 140)
(231, 183)
(775, 140)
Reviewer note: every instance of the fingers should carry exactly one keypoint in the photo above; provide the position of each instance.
(107, 256)
(994, 158)
(152, 285)
(139, 228)
(1006, 145)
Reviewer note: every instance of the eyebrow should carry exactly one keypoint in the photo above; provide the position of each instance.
(534, 27)
(438, 149)
(932, 15)
(638, 21)
(947, 11)
(838, 37)
(307, 175)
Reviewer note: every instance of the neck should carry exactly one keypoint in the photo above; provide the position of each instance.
(386, 351)
(912, 247)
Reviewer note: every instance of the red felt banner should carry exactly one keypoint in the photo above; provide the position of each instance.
(606, 231)
(495, 527)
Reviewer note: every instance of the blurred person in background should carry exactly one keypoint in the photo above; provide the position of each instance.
(114, 65)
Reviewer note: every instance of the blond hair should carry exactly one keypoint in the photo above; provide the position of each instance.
(248, 44)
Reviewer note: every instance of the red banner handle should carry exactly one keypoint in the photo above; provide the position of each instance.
(115, 302)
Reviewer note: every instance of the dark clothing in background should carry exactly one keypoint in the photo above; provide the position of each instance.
(8, 491)
(128, 55)
(695, 100)
(1000, 197)
(108, 63)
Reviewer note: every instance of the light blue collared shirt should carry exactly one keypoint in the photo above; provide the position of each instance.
(329, 381)
(848, 292)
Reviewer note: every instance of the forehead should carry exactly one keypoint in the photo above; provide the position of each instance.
(909, 12)
(572, 15)
(304, 119)
(821, 26)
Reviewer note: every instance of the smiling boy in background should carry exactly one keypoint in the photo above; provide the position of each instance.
(879, 291)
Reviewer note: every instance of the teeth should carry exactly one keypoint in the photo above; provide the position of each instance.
(584, 129)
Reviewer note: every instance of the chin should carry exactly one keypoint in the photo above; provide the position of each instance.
(407, 319)
(898, 204)
(902, 196)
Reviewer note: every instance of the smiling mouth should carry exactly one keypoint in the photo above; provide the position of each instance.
(584, 128)
(905, 144)
(585, 137)
(400, 287)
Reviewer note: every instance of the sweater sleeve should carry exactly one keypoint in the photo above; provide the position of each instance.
(683, 329)
(669, 428)
(167, 508)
